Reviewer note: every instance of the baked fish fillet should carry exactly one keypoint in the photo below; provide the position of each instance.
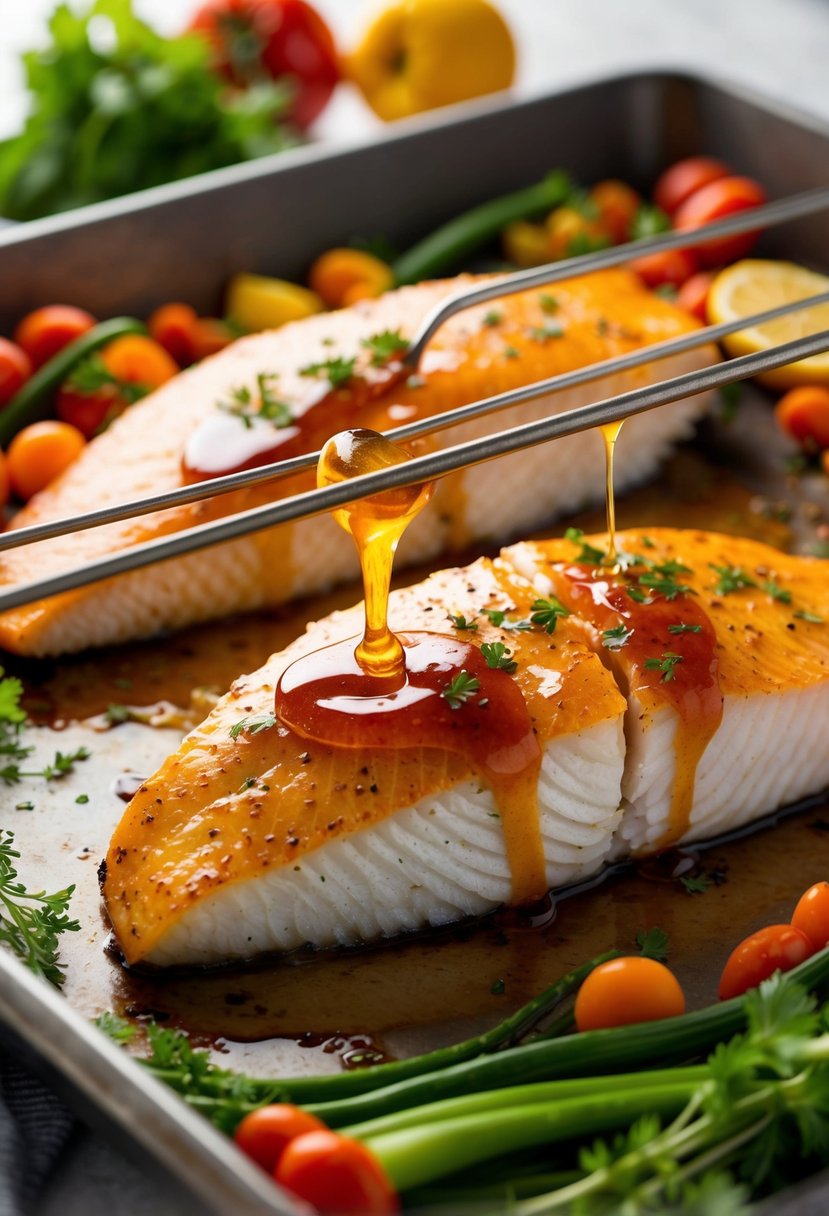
(334, 846)
(736, 726)
(267, 842)
(478, 353)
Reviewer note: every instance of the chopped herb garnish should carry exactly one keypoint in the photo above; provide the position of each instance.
(648, 221)
(587, 552)
(493, 318)
(498, 987)
(666, 664)
(253, 725)
(546, 612)
(499, 618)
(116, 714)
(82, 799)
(268, 408)
(458, 691)
(811, 617)
(731, 578)
(549, 304)
(385, 346)
(730, 395)
(653, 944)
(602, 327)
(543, 333)
(696, 884)
(639, 596)
(31, 922)
(616, 638)
(665, 584)
(781, 594)
(338, 371)
(24, 806)
(461, 622)
(510, 352)
(683, 628)
(497, 656)
(646, 542)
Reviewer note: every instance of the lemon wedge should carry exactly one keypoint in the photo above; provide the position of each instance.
(754, 285)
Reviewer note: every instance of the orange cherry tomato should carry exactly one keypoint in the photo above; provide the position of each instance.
(265, 1133)
(15, 369)
(336, 1175)
(775, 948)
(174, 326)
(5, 481)
(40, 453)
(135, 359)
(811, 916)
(673, 267)
(617, 204)
(46, 331)
(628, 990)
(714, 202)
(803, 413)
(693, 294)
(684, 178)
(211, 336)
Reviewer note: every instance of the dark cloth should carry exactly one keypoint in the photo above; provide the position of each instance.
(34, 1129)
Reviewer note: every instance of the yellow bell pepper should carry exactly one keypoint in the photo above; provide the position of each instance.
(256, 302)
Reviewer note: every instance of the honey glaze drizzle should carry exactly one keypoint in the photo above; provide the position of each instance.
(689, 682)
(418, 690)
(610, 433)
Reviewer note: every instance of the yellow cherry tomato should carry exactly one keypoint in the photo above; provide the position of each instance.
(525, 244)
(627, 990)
(40, 453)
(419, 54)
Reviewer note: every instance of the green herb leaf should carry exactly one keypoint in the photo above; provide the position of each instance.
(252, 725)
(781, 594)
(547, 611)
(661, 580)
(116, 1028)
(683, 628)
(497, 656)
(666, 664)
(511, 353)
(696, 884)
(499, 618)
(648, 221)
(543, 333)
(268, 408)
(386, 346)
(492, 318)
(811, 617)
(616, 638)
(32, 922)
(459, 689)
(731, 578)
(338, 371)
(587, 552)
(653, 944)
(549, 304)
(461, 622)
(116, 714)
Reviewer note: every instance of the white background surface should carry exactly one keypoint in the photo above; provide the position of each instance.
(778, 46)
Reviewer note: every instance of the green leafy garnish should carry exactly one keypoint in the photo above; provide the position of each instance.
(492, 318)
(511, 353)
(543, 333)
(696, 884)
(661, 579)
(461, 622)
(653, 944)
(648, 221)
(31, 922)
(549, 304)
(459, 689)
(497, 656)
(252, 725)
(92, 374)
(781, 594)
(639, 596)
(499, 618)
(338, 371)
(115, 107)
(385, 346)
(731, 578)
(587, 552)
(116, 714)
(13, 752)
(616, 638)
(268, 408)
(546, 612)
(666, 664)
(811, 617)
(683, 628)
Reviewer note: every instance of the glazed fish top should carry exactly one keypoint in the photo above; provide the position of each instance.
(283, 374)
(245, 796)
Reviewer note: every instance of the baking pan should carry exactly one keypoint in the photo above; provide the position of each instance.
(274, 216)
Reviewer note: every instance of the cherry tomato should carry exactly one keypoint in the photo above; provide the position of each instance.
(134, 359)
(46, 331)
(40, 453)
(571, 232)
(673, 267)
(714, 202)
(693, 294)
(803, 413)
(336, 1175)
(15, 369)
(174, 327)
(264, 1133)
(252, 39)
(628, 990)
(684, 178)
(89, 412)
(617, 204)
(811, 916)
(212, 335)
(775, 948)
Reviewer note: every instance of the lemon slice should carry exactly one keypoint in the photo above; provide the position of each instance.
(753, 285)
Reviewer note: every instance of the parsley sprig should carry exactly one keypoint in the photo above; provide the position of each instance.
(499, 618)
(338, 371)
(264, 405)
(253, 724)
(666, 664)
(385, 346)
(464, 624)
(617, 637)
(731, 579)
(497, 656)
(547, 611)
(460, 689)
(31, 922)
(587, 552)
(14, 752)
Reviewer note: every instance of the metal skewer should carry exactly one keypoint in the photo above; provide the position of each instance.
(419, 469)
(195, 492)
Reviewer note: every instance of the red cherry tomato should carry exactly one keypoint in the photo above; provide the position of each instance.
(628, 990)
(714, 202)
(775, 948)
(89, 412)
(336, 1175)
(811, 916)
(175, 327)
(15, 369)
(252, 39)
(672, 267)
(46, 331)
(684, 178)
(693, 294)
(265, 1133)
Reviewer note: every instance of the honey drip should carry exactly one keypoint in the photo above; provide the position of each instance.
(390, 692)
(610, 434)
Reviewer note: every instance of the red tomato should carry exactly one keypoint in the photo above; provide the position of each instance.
(46, 331)
(693, 294)
(89, 412)
(273, 38)
(684, 178)
(714, 202)
(264, 1134)
(617, 204)
(15, 369)
(211, 335)
(628, 990)
(673, 267)
(174, 326)
(775, 948)
(336, 1175)
(803, 413)
(811, 916)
